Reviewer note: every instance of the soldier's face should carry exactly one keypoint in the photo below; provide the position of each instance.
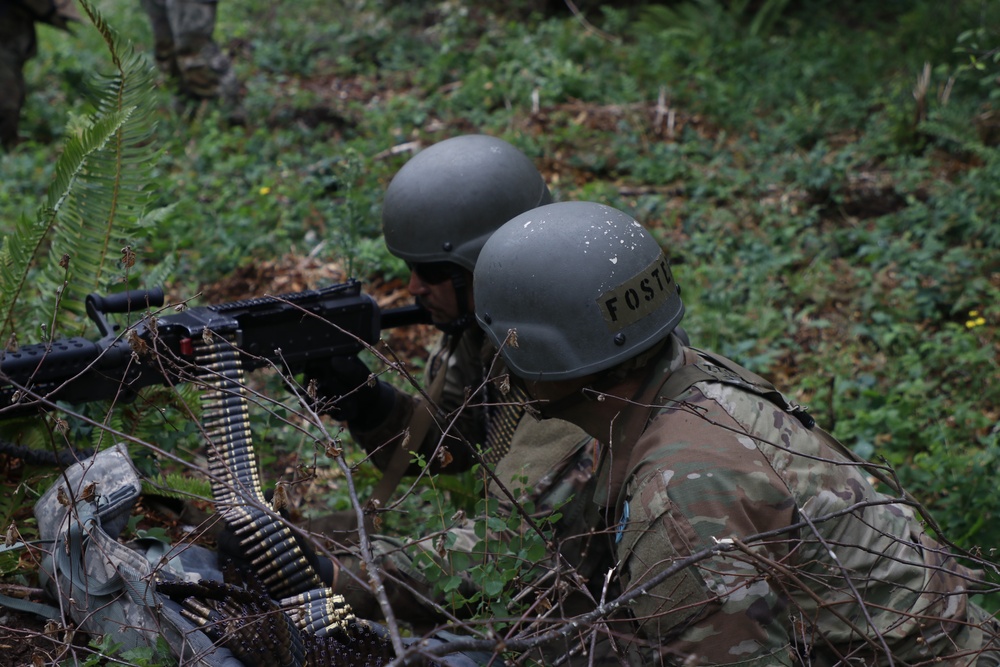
(439, 298)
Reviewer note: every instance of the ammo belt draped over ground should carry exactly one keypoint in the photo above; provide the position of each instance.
(279, 564)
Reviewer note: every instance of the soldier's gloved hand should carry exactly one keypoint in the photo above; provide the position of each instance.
(350, 394)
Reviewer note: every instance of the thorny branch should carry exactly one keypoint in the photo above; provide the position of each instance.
(525, 634)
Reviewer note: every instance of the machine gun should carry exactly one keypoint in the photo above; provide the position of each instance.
(291, 331)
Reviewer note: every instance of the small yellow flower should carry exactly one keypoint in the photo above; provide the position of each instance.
(978, 322)
(973, 313)
(264, 190)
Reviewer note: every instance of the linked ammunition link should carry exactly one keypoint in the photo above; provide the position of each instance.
(282, 614)
(247, 622)
(314, 629)
(268, 542)
(318, 612)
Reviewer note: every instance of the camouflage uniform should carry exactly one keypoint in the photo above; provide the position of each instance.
(18, 44)
(464, 374)
(549, 463)
(182, 34)
(473, 404)
(721, 462)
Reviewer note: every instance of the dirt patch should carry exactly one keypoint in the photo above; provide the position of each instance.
(23, 641)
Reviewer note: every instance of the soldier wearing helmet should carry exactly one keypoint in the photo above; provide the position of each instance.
(445, 203)
(439, 210)
(794, 557)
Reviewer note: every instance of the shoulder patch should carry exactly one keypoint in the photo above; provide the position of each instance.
(622, 523)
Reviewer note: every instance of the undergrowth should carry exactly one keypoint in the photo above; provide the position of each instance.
(830, 202)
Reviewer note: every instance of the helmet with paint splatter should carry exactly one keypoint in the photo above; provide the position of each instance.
(583, 286)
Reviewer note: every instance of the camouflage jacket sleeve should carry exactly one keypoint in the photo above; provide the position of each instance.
(864, 578)
(698, 484)
(463, 411)
(837, 569)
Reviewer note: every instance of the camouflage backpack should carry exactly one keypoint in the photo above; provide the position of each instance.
(105, 587)
(147, 594)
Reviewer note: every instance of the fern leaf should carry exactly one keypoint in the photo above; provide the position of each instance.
(20, 250)
(181, 487)
(102, 210)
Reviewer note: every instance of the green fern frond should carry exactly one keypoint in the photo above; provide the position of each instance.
(103, 210)
(185, 399)
(100, 437)
(175, 485)
(160, 274)
(19, 251)
(30, 432)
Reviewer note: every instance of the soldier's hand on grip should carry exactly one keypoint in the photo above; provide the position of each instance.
(347, 391)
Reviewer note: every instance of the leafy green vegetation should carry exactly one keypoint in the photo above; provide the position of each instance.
(824, 176)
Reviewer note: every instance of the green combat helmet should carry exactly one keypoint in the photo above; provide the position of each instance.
(583, 285)
(449, 198)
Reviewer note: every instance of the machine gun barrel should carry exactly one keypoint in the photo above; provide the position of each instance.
(291, 331)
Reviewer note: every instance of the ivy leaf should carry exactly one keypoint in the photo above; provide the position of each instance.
(460, 561)
(493, 586)
(536, 552)
(451, 583)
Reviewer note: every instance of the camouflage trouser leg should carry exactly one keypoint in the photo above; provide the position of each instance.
(163, 36)
(182, 32)
(17, 45)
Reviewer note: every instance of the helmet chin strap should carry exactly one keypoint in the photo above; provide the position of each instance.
(554, 409)
(466, 317)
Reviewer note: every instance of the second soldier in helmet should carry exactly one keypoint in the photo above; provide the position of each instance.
(439, 211)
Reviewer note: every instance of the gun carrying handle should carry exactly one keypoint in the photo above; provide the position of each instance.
(123, 302)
